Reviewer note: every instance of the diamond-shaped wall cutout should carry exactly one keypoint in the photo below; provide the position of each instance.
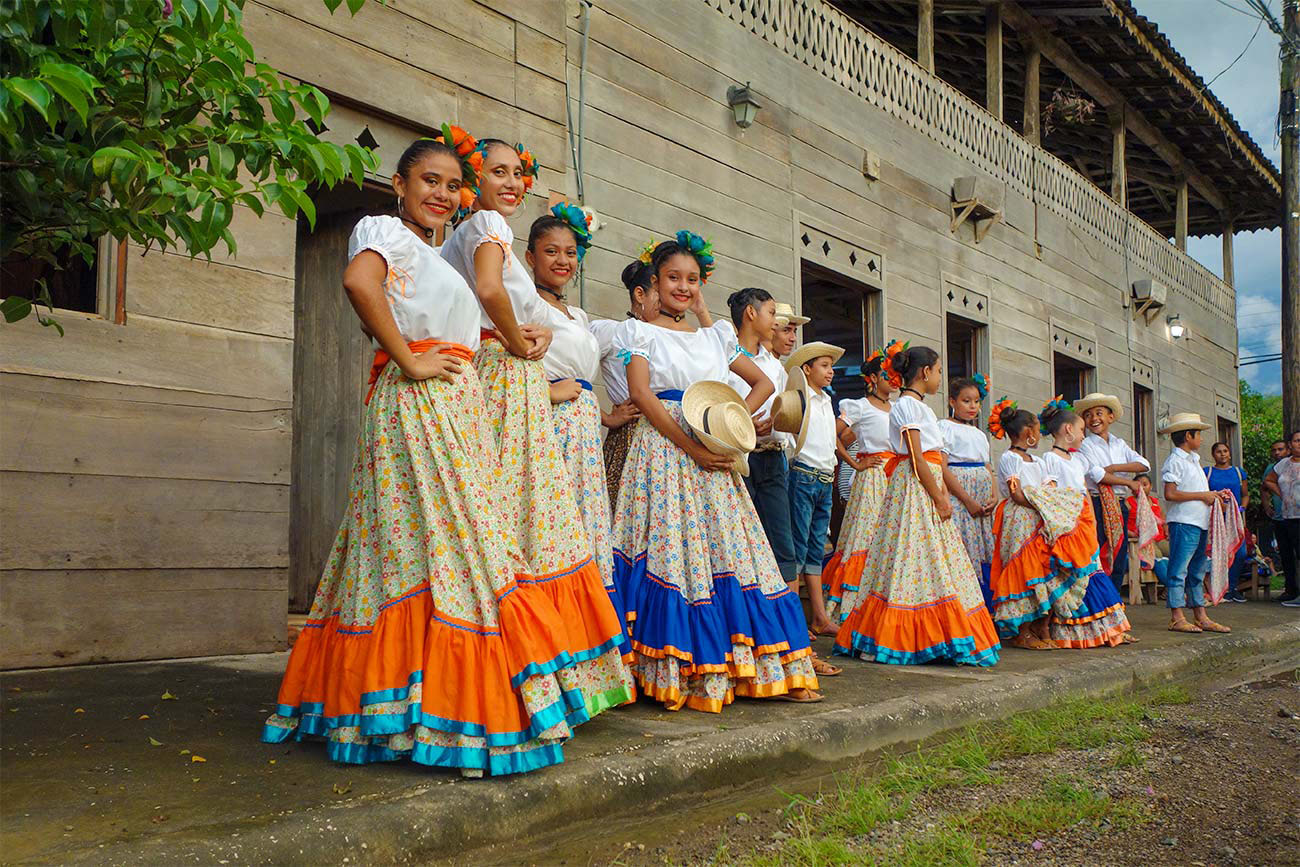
(950, 295)
(806, 240)
(826, 248)
(853, 257)
(367, 140)
(871, 266)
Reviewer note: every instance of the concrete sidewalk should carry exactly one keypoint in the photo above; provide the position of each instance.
(99, 767)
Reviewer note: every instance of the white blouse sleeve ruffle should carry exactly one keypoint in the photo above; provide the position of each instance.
(385, 236)
(851, 412)
(725, 333)
(486, 227)
(631, 337)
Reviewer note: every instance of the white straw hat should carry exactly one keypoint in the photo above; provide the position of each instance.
(1184, 421)
(785, 313)
(720, 420)
(790, 409)
(810, 351)
(1096, 398)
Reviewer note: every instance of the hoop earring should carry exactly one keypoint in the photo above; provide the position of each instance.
(399, 206)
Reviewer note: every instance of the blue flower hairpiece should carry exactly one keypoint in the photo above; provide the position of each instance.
(701, 249)
(578, 221)
(1052, 407)
(982, 384)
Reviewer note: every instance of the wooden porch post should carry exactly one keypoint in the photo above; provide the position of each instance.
(993, 59)
(1118, 163)
(1180, 216)
(1228, 276)
(925, 34)
(1033, 114)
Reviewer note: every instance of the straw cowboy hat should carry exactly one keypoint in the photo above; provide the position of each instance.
(810, 351)
(1110, 401)
(785, 314)
(1184, 421)
(790, 409)
(721, 421)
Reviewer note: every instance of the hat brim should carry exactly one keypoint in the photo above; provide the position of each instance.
(1186, 425)
(1111, 403)
(800, 385)
(811, 351)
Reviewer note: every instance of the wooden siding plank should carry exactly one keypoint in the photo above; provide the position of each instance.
(210, 293)
(65, 426)
(65, 521)
(77, 616)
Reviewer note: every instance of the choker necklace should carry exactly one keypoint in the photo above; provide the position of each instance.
(556, 295)
(1065, 452)
(428, 233)
(1021, 449)
(676, 317)
(918, 394)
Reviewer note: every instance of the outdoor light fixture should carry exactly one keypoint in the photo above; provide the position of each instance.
(1176, 328)
(743, 105)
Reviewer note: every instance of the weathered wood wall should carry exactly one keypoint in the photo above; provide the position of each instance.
(146, 466)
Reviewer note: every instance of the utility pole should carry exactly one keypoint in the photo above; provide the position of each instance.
(1290, 135)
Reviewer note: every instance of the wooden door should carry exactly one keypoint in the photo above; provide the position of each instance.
(331, 362)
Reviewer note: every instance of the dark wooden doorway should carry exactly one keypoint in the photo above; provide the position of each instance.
(331, 362)
(845, 312)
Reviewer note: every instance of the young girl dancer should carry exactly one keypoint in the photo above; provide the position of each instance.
(557, 243)
(712, 617)
(920, 598)
(422, 642)
(642, 303)
(868, 419)
(967, 476)
(532, 486)
(1021, 600)
(1099, 618)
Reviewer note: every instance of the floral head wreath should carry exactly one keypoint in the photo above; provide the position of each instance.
(995, 416)
(982, 384)
(578, 221)
(892, 349)
(701, 249)
(647, 252)
(466, 148)
(1056, 404)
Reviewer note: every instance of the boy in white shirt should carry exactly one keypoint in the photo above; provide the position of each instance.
(1188, 521)
(812, 472)
(1113, 463)
(754, 313)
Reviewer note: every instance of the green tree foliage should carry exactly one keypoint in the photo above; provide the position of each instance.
(149, 120)
(1261, 424)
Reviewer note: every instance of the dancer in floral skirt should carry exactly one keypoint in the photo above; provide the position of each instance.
(868, 419)
(920, 598)
(426, 640)
(966, 473)
(713, 618)
(536, 497)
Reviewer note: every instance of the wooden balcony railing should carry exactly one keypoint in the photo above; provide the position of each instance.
(825, 39)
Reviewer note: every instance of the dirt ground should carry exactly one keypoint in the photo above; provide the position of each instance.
(1215, 781)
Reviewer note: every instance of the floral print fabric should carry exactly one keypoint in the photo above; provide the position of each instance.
(976, 533)
(842, 577)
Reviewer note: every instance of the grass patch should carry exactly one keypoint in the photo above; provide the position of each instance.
(1063, 803)
(835, 828)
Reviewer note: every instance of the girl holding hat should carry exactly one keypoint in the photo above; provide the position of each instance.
(557, 243)
(1097, 617)
(711, 616)
(920, 598)
(425, 642)
(966, 473)
(1188, 494)
(533, 486)
(868, 419)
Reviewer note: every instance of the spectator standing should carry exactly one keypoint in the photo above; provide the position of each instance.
(1224, 476)
(1283, 480)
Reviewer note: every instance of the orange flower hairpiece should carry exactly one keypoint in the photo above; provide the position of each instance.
(879, 353)
(995, 416)
(529, 162)
(892, 349)
(466, 147)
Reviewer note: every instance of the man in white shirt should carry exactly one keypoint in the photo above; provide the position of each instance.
(1110, 462)
(1189, 499)
(812, 473)
(754, 313)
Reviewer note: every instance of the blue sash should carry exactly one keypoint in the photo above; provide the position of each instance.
(586, 386)
(669, 394)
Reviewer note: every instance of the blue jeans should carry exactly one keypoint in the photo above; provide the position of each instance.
(810, 519)
(1187, 563)
(767, 488)
(1119, 565)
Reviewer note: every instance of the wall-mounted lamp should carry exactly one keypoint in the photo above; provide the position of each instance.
(1176, 328)
(743, 105)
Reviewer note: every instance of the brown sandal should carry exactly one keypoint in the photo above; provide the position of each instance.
(1128, 638)
(822, 668)
(1210, 626)
(1029, 641)
(809, 697)
(1184, 626)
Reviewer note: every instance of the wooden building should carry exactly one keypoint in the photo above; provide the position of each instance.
(174, 467)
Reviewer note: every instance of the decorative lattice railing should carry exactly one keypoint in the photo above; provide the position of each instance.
(825, 39)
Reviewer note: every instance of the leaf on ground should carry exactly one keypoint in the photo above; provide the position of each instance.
(80, 710)
(270, 761)
(197, 759)
(167, 696)
(343, 789)
(194, 779)
(154, 742)
(646, 735)
(143, 716)
(185, 752)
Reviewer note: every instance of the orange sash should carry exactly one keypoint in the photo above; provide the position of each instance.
(895, 459)
(418, 347)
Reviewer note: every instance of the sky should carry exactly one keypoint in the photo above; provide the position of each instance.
(1210, 34)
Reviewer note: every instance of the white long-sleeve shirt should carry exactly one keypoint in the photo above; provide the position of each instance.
(1102, 453)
